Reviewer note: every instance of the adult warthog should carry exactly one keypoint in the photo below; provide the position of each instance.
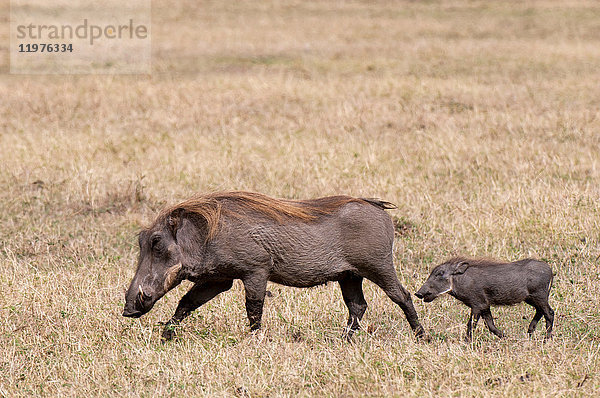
(216, 238)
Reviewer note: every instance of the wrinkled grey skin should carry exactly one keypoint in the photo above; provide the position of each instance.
(480, 284)
(353, 243)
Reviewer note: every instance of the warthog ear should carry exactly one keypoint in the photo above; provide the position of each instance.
(174, 221)
(461, 268)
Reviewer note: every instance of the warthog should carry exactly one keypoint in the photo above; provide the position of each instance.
(216, 238)
(481, 283)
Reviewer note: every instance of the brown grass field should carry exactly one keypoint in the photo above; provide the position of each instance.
(479, 119)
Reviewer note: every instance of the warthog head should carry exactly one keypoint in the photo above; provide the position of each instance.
(160, 267)
(440, 280)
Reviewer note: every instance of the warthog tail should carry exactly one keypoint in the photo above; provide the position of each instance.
(380, 203)
(551, 282)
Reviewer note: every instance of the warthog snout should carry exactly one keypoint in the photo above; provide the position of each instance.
(138, 307)
(132, 313)
(426, 296)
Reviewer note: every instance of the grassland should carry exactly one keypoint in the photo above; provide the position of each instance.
(479, 119)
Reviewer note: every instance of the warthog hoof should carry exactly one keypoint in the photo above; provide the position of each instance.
(422, 335)
(168, 333)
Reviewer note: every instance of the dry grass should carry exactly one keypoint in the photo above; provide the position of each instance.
(480, 119)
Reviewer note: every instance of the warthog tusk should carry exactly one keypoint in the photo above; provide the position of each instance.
(141, 291)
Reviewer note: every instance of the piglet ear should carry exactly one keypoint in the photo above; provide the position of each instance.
(174, 221)
(461, 268)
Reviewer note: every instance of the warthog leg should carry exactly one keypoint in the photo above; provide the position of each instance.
(255, 285)
(472, 324)
(489, 321)
(542, 308)
(536, 318)
(355, 301)
(388, 281)
(199, 294)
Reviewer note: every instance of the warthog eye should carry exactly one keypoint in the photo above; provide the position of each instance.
(156, 244)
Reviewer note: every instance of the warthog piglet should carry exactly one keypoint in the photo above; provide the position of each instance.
(481, 283)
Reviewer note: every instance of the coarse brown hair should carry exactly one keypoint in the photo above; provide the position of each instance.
(474, 261)
(241, 204)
